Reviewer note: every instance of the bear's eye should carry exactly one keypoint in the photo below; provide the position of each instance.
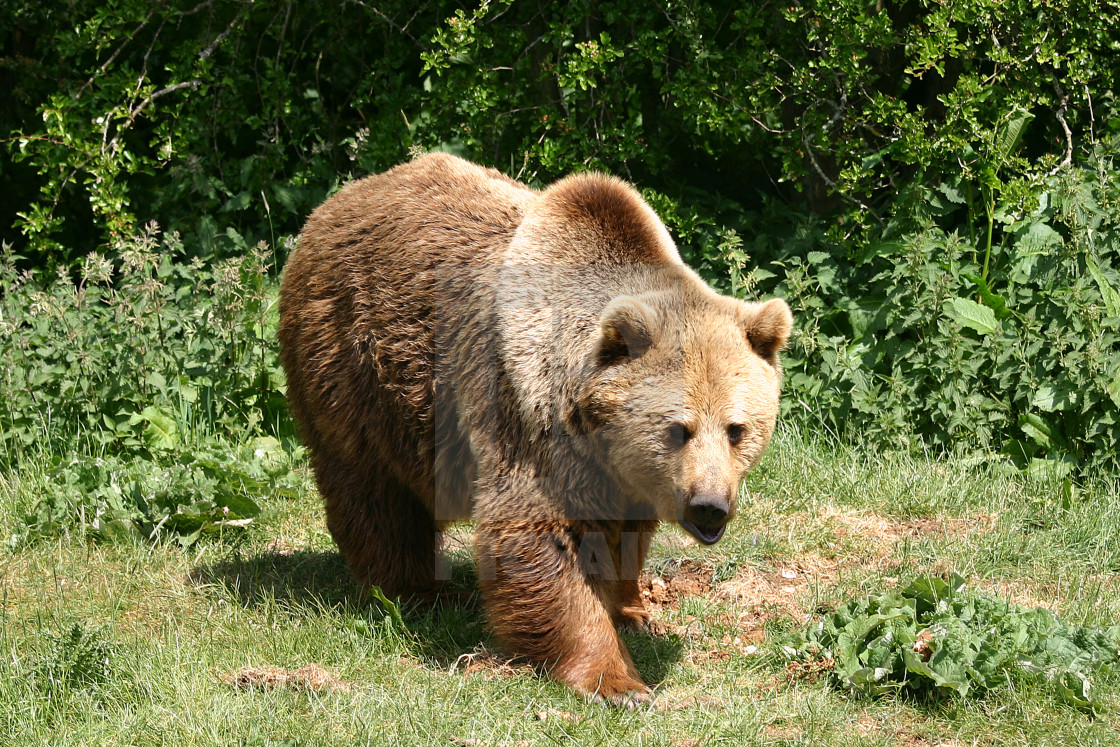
(679, 434)
(735, 433)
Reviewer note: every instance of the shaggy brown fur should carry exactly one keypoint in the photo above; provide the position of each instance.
(460, 346)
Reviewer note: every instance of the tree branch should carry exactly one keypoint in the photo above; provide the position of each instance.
(1060, 115)
(205, 54)
(134, 111)
(807, 141)
(112, 57)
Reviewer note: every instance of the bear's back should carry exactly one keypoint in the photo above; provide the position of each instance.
(377, 271)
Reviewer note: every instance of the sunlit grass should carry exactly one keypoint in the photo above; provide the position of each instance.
(178, 622)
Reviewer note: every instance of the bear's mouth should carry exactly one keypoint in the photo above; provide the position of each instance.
(709, 535)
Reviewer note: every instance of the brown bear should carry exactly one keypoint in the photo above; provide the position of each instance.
(459, 346)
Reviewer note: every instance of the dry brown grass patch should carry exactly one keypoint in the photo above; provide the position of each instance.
(473, 742)
(782, 731)
(281, 546)
(1024, 594)
(489, 664)
(844, 524)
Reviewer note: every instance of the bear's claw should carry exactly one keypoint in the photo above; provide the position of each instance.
(631, 700)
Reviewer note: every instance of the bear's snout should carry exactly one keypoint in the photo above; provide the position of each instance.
(705, 516)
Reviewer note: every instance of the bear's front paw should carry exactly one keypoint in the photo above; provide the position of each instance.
(637, 699)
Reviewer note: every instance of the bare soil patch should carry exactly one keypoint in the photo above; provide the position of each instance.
(688, 579)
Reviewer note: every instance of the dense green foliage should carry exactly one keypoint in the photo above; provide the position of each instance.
(211, 115)
(922, 335)
(937, 637)
(147, 388)
(204, 116)
(928, 183)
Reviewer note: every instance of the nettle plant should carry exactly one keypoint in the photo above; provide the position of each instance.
(144, 390)
(1012, 345)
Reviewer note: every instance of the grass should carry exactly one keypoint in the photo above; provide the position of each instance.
(121, 643)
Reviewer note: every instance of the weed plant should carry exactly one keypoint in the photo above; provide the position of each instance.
(934, 334)
(146, 389)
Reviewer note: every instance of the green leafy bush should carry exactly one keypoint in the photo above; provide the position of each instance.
(915, 177)
(142, 341)
(244, 114)
(936, 637)
(203, 116)
(212, 490)
(960, 294)
(925, 335)
(849, 101)
(147, 389)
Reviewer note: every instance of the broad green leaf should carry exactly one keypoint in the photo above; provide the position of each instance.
(1109, 294)
(991, 300)
(1048, 468)
(1113, 388)
(1012, 133)
(1037, 429)
(162, 432)
(1074, 688)
(240, 506)
(952, 193)
(287, 196)
(970, 314)
(1044, 398)
(392, 611)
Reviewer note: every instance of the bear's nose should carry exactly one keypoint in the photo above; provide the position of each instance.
(706, 516)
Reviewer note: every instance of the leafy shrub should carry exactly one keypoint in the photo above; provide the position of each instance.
(937, 637)
(243, 114)
(136, 339)
(848, 100)
(150, 387)
(208, 491)
(960, 295)
(203, 116)
(924, 335)
(955, 286)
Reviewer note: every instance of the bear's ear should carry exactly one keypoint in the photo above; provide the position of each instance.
(767, 326)
(626, 330)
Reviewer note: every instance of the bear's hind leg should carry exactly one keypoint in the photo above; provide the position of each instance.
(383, 529)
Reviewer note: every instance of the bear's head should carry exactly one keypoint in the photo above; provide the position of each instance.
(682, 399)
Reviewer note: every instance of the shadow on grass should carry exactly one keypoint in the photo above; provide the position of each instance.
(309, 583)
(653, 655)
(441, 628)
(306, 580)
